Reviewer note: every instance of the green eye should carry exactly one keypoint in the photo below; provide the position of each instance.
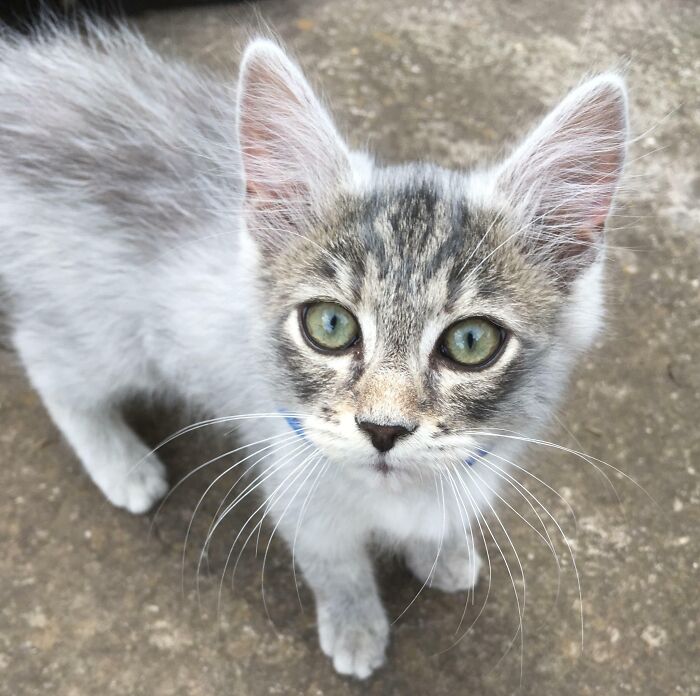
(328, 326)
(472, 342)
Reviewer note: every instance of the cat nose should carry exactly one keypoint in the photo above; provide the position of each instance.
(384, 436)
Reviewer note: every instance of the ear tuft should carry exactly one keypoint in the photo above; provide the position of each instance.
(562, 179)
(293, 158)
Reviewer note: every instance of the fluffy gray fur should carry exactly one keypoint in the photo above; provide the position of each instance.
(159, 230)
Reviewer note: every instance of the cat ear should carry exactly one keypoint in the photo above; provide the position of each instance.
(293, 157)
(562, 179)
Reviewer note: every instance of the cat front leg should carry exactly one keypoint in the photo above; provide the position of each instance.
(450, 566)
(129, 475)
(352, 626)
(124, 469)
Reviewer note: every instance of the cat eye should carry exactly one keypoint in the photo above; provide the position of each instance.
(328, 326)
(472, 343)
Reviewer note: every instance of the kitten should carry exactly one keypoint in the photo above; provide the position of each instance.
(383, 333)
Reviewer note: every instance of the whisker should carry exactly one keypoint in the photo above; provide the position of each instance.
(469, 537)
(217, 421)
(316, 463)
(309, 495)
(545, 539)
(514, 481)
(593, 461)
(520, 608)
(525, 471)
(279, 444)
(297, 468)
(474, 508)
(252, 486)
(191, 473)
(428, 580)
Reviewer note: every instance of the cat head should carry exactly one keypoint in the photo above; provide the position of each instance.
(411, 312)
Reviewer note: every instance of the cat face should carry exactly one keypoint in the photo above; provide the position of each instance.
(407, 261)
(411, 311)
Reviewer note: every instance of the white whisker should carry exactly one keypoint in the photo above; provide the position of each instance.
(437, 555)
(514, 482)
(520, 607)
(300, 519)
(315, 462)
(593, 461)
(280, 442)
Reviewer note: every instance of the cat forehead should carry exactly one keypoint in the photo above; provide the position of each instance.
(415, 242)
(417, 237)
(417, 226)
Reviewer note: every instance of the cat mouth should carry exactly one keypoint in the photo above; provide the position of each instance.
(382, 466)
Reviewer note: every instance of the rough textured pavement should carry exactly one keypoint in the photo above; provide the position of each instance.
(91, 603)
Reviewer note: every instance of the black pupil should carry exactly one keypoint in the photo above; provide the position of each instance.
(471, 340)
(333, 321)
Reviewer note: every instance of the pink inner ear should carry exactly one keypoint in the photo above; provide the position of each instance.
(564, 176)
(262, 135)
(291, 152)
(266, 185)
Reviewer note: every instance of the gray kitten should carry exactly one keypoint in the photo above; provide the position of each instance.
(383, 335)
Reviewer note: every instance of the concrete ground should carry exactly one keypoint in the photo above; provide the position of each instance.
(94, 601)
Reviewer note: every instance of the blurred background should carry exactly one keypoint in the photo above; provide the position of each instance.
(25, 12)
(94, 601)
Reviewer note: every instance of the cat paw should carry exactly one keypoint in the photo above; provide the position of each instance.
(138, 487)
(454, 571)
(355, 639)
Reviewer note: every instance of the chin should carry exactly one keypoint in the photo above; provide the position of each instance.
(396, 473)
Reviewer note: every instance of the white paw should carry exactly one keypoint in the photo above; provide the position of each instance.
(355, 639)
(136, 488)
(455, 570)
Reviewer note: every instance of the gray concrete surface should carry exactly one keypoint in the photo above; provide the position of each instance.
(91, 603)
